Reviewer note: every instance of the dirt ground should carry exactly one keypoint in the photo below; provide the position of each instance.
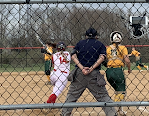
(30, 88)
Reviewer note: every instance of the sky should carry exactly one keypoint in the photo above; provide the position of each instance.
(141, 7)
(135, 8)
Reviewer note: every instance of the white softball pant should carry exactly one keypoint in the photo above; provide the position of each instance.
(59, 81)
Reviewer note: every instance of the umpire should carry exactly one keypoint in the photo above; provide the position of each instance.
(88, 55)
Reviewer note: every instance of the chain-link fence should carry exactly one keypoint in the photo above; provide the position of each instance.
(23, 78)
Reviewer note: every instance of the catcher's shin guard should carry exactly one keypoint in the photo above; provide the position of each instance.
(119, 97)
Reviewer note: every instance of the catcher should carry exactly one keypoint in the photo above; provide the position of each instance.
(48, 51)
(138, 59)
(116, 54)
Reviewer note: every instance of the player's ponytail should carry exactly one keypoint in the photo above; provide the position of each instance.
(117, 47)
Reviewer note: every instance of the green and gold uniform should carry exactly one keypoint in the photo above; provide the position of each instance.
(138, 59)
(114, 72)
(48, 61)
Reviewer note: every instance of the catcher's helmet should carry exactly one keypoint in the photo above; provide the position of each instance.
(91, 32)
(116, 36)
(61, 46)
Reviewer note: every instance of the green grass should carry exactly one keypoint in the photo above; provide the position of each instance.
(33, 67)
(133, 67)
(40, 67)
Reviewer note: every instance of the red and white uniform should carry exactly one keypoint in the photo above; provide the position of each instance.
(60, 72)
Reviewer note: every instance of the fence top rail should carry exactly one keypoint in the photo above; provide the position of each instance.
(69, 1)
(73, 105)
(67, 47)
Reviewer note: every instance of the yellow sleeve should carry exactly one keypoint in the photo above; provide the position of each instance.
(50, 50)
(135, 53)
(108, 51)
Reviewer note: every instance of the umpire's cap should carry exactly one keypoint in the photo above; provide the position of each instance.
(91, 32)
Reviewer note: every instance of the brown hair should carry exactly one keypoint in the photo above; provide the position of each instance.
(51, 44)
(117, 47)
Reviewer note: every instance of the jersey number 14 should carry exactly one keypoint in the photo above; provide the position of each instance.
(62, 60)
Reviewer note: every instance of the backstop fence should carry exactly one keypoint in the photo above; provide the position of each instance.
(23, 82)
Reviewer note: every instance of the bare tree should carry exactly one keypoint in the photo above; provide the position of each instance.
(5, 11)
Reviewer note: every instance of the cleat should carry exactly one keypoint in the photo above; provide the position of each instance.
(141, 70)
(147, 68)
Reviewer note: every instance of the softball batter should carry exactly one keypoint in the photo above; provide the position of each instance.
(116, 54)
(61, 62)
(48, 58)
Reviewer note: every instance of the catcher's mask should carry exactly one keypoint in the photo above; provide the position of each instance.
(91, 32)
(116, 36)
(61, 46)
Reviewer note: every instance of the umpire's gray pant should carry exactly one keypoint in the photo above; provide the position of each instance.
(82, 82)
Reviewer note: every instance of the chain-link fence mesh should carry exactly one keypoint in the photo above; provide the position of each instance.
(23, 79)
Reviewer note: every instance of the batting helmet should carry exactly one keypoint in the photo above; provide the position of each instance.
(61, 46)
(91, 32)
(116, 36)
